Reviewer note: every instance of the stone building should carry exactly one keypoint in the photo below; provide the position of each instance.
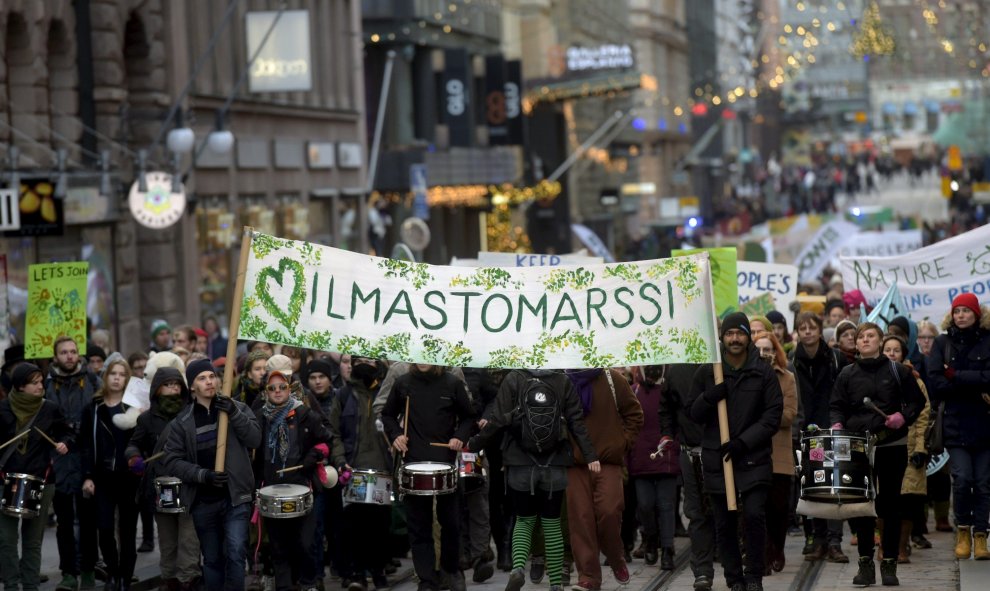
(99, 79)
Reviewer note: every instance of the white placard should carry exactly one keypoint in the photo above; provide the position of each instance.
(882, 244)
(756, 279)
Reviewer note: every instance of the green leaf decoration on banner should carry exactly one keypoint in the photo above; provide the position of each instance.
(416, 273)
(624, 271)
(558, 279)
(289, 318)
(444, 352)
(262, 245)
(487, 278)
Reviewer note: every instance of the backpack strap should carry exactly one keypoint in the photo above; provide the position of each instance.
(893, 370)
(611, 386)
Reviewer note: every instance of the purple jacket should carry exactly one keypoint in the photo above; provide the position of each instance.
(639, 462)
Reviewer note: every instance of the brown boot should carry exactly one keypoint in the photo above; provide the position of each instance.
(980, 551)
(904, 547)
(964, 543)
(942, 516)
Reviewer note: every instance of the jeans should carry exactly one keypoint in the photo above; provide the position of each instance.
(116, 493)
(971, 486)
(223, 533)
(419, 522)
(319, 512)
(823, 531)
(778, 519)
(290, 542)
(475, 523)
(26, 571)
(701, 525)
(73, 556)
(655, 506)
(754, 511)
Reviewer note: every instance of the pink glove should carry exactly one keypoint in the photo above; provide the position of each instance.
(322, 448)
(838, 426)
(894, 421)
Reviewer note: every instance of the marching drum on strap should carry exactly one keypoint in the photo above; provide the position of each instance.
(427, 479)
(22, 495)
(471, 469)
(167, 498)
(369, 487)
(835, 466)
(285, 501)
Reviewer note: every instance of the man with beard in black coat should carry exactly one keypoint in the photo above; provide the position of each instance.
(755, 405)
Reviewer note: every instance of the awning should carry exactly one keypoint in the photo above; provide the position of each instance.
(932, 106)
(889, 109)
(910, 108)
(582, 87)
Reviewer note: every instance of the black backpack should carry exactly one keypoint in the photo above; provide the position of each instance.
(537, 417)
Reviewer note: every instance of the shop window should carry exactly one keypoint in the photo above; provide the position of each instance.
(293, 217)
(216, 232)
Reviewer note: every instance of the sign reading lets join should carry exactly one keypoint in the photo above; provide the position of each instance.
(56, 307)
(312, 296)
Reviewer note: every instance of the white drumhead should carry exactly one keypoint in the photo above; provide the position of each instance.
(426, 467)
(284, 490)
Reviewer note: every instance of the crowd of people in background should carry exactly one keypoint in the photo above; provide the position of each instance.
(623, 457)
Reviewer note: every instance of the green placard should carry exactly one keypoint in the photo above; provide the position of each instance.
(56, 306)
(724, 277)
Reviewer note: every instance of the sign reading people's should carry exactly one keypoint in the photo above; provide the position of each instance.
(56, 306)
(928, 278)
(648, 312)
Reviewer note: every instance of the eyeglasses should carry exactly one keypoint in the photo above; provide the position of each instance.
(277, 387)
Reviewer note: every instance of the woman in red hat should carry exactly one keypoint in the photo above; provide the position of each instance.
(959, 376)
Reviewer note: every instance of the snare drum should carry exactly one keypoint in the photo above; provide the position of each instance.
(835, 467)
(285, 501)
(22, 495)
(167, 498)
(427, 479)
(368, 487)
(471, 470)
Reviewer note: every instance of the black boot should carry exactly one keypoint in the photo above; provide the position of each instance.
(650, 552)
(667, 558)
(888, 572)
(867, 574)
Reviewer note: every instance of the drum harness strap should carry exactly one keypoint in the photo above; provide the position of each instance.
(10, 449)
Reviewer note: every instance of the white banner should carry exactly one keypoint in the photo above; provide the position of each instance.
(928, 278)
(313, 296)
(756, 279)
(882, 244)
(820, 250)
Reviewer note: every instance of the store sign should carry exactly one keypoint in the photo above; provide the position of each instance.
(283, 63)
(456, 97)
(40, 212)
(496, 109)
(603, 57)
(85, 205)
(10, 213)
(158, 207)
(513, 102)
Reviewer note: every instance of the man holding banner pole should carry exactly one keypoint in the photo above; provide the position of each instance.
(755, 405)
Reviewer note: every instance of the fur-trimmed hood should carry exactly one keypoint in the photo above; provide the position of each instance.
(984, 319)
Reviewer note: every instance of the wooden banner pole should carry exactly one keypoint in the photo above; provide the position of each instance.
(228, 368)
(723, 431)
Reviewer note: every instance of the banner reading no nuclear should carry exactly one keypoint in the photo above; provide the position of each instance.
(647, 312)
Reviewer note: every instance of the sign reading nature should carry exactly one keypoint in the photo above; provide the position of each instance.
(307, 295)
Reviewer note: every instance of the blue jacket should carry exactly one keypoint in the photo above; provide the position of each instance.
(967, 414)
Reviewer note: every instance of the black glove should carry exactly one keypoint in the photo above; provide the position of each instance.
(225, 404)
(719, 392)
(313, 457)
(733, 448)
(217, 479)
(919, 459)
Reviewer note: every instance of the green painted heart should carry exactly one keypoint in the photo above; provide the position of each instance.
(287, 315)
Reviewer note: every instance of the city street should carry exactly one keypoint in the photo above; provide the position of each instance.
(923, 199)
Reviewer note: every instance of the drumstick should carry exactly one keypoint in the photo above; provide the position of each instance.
(405, 424)
(15, 438)
(292, 469)
(47, 438)
(660, 448)
(155, 457)
(869, 403)
(447, 445)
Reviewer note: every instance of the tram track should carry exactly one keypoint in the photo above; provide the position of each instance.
(807, 576)
(663, 578)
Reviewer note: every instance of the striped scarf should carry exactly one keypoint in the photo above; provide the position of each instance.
(278, 429)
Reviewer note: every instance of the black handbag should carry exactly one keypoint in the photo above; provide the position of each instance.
(933, 434)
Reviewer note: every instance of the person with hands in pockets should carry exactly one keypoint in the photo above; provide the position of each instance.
(219, 502)
(895, 403)
(755, 405)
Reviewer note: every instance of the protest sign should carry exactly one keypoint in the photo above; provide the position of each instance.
(756, 279)
(928, 278)
(512, 259)
(882, 244)
(822, 247)
(723, 276)
(890, 306)
(758, 306)
(313, 296)
(56, 306)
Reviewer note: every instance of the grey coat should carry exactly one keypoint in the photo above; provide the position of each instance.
(180, 454)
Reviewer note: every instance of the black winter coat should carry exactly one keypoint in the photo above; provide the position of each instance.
(890, 386)
(816, 379)
(675, 411)
(503, 411)
(306, 430)
(439, 410)
(149, 437)
(755, 405)
(967, 414)
(37, 456)
(97, 442)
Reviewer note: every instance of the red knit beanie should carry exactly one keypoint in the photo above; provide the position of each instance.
(967, 300)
